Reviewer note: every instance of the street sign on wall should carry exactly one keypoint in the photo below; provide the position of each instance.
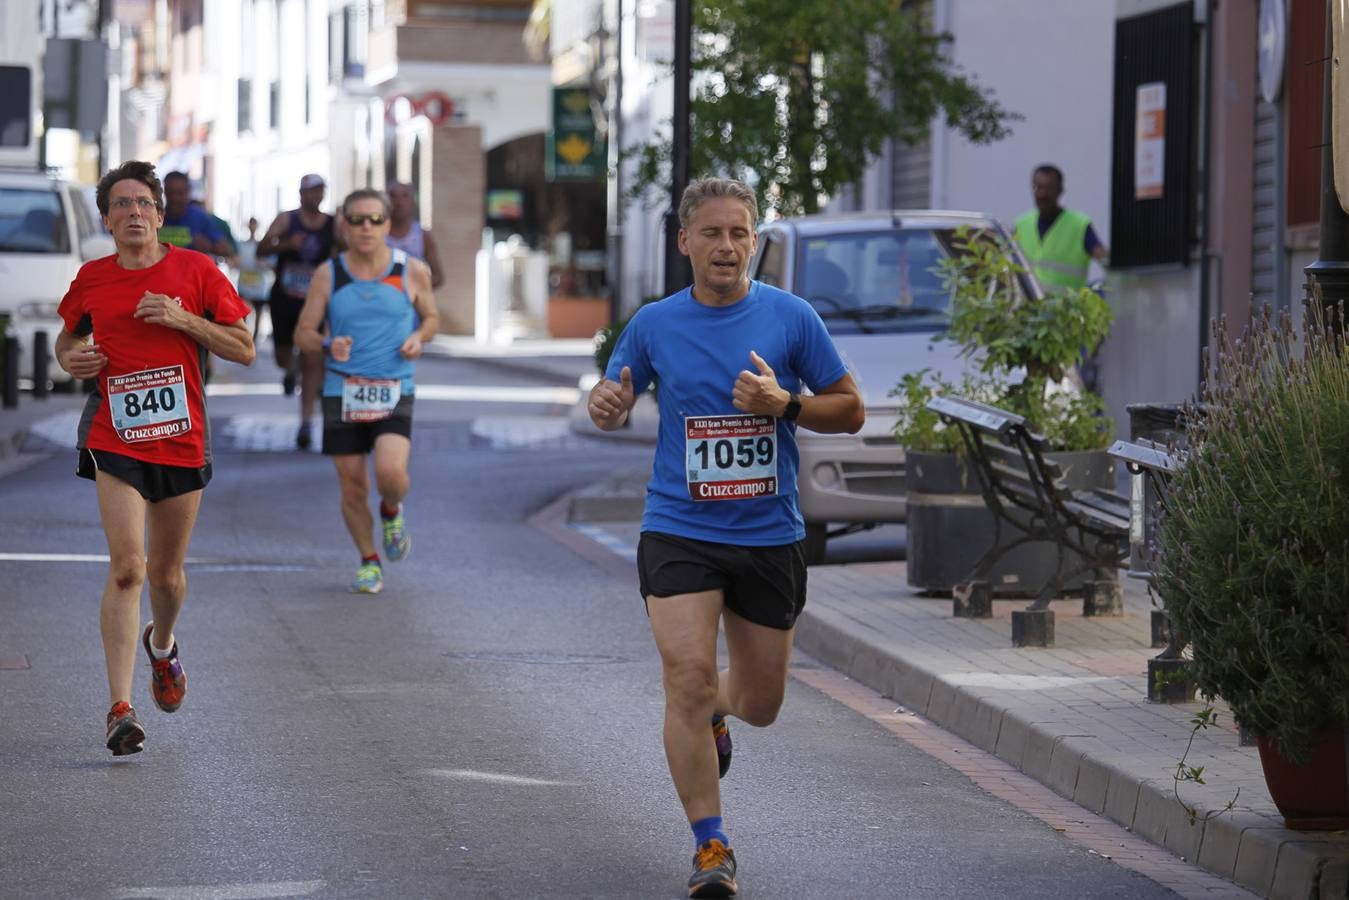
(576, 150)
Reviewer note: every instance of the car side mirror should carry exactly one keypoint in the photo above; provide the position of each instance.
(97, 246)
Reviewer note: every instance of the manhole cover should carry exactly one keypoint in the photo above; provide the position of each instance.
(541, 659)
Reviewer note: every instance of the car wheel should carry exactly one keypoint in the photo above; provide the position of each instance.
(817, 536)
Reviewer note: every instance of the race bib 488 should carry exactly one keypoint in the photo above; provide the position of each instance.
(731, 457)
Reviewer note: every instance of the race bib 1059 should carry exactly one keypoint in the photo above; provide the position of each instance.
(731, 457)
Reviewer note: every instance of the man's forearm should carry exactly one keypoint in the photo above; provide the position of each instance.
(225, 341)
(840, 413)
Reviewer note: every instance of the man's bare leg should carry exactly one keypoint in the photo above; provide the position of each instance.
(122, 511)
(685, 629)
(171, 522)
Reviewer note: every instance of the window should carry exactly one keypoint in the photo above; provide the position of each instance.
(16, 106)
(875, 282)
(245, 105)
(274, 104)
(32, 221)
(772, 257)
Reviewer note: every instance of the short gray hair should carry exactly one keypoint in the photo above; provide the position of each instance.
(705, 188)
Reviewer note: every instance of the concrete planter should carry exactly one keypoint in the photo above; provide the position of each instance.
(950, 528)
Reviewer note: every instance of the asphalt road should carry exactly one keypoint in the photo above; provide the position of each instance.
(488, 726)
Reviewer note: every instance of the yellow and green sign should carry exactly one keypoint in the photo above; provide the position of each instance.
(576, 149)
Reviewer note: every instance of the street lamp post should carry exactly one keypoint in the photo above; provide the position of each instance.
(677, 271)
(1329, 275)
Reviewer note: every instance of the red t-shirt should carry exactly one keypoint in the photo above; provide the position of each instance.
(150, 404)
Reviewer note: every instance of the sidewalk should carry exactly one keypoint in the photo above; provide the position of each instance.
(1075, 716)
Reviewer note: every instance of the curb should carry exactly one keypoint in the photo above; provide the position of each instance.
(1245, 848)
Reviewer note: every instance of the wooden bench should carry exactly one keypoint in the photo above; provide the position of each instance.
(1152, 464)
(1026, 493)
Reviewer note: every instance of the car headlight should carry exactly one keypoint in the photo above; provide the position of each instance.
(39, 309)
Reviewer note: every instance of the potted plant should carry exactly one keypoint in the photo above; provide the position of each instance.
(1254, 554)
(1022, 350)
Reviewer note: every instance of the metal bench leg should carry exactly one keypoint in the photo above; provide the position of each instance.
(1032, 627)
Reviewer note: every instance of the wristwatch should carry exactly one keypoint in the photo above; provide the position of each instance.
(793, 408)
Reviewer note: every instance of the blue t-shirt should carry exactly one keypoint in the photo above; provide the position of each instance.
(378, 315)
(695, 353)
(180, 231)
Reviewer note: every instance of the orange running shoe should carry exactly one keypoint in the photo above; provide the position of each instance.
(168, 681)
(713, 871)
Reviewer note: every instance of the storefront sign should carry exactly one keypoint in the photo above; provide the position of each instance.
(1150, 141)
(576, 149)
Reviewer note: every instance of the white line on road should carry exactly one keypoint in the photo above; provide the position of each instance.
(263, 890)
(496, 778)
(484, 393)
(222, 565)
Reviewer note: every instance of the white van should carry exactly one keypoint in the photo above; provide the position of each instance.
(48, 229)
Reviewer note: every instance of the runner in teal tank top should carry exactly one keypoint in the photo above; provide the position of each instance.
(379, 311)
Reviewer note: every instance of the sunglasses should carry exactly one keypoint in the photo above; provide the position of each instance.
(357, 221)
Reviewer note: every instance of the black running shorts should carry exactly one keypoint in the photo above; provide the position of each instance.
(359, 437)
(152, 481)
(766, 585)
(285, 313)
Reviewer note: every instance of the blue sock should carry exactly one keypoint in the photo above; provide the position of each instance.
(705, 830)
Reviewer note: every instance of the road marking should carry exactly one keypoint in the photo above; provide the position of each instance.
(262, 890)
(607, 540)
(210, 565)
(497, 778)
(482, 393)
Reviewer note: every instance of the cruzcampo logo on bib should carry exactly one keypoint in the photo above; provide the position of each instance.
(731, 457)
(149, 405)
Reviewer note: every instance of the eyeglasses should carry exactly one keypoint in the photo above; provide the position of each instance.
(124, 203)
(359, 220)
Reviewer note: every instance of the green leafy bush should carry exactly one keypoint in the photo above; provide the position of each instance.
(1023, 349)
(1254, 563)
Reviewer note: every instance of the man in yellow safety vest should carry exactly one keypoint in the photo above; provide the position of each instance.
(1059, 243)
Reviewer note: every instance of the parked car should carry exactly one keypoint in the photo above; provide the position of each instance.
(48, 229)
(873, 279)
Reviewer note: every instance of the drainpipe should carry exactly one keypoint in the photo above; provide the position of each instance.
(1330, 272)
(615, 217)
(1205, 206)
(677, 272)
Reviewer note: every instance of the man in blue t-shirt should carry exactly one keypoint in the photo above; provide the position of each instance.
(186, 225)
(721, 535)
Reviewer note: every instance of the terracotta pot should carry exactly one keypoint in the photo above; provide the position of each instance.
(1314, 797)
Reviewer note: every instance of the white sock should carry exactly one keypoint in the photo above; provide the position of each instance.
(160, 654)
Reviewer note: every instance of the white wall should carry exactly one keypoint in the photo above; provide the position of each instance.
(1052, 61)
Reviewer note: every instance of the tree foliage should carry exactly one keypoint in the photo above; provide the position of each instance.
(798, 97)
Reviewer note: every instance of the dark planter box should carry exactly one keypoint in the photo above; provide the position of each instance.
(950, 528)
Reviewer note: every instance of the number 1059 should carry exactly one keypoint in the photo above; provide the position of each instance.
(743, 452)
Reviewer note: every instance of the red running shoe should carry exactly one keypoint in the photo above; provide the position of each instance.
(125, 734)
(168, 681)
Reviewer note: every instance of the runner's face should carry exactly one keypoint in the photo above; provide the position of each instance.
(310, 198)
(176, 194)
(719, 242)
(400, 199)
(132, 227)
(367, 237)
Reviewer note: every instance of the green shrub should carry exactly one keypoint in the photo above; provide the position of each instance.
(1254, 563)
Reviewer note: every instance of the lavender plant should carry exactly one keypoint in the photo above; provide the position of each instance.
(1254, 561)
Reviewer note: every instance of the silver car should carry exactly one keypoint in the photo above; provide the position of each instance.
(873, 279)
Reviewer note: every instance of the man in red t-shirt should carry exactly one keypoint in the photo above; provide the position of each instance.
(154, 312)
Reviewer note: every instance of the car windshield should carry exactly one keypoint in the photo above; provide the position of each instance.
(31, 221)
(876, 282)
